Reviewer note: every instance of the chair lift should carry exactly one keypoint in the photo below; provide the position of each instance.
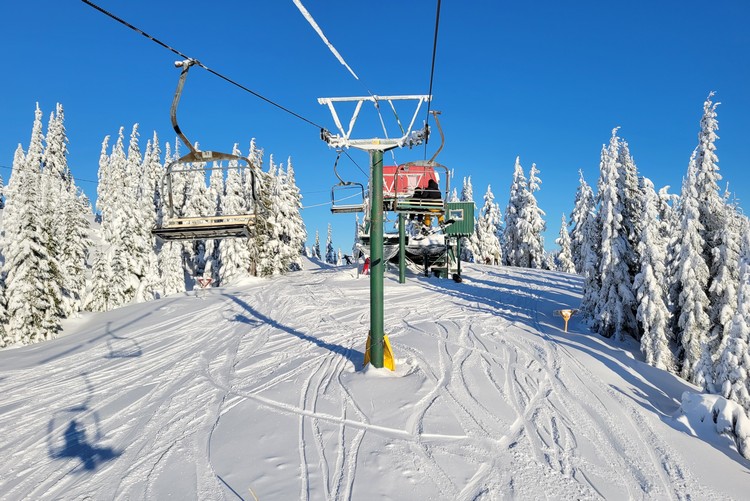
(175, 227)
(345, 190)
(413, 176)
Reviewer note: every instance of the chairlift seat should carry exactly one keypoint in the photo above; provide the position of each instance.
(419, 206)
(347, 209)
(206, 228)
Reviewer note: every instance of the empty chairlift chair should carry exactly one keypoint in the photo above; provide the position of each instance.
(175, 227)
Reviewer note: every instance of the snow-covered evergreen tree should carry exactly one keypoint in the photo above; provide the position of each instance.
(66, 224)
(693, 275)
(293, 229)
(271, 239)
(316, 246)
(171, 268)
(235, 253)
(214, 195)
(467, 243)
(590, 238)
(32, 290)
(650, 286)
(733, 369)
(583, 206)
(330, 252)
(628, 188)
(564, 254)
(487, 248)
(532, 228)
(724, 283)
(100, 298)
(615, 308)
(513, 251)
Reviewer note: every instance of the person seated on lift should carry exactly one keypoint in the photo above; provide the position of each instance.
(431, 192)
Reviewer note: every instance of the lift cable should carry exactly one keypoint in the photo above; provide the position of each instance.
(308, 17)
(432, 67)
(216, 73)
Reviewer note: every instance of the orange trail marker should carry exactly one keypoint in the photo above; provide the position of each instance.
(565, 314)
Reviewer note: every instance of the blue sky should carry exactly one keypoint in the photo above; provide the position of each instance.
(546, 81)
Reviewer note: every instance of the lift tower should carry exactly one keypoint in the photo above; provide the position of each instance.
(375, 147)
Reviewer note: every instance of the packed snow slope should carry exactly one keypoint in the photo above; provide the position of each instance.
(257, 391)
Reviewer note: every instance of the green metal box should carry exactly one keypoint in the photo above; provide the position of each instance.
(463, 215)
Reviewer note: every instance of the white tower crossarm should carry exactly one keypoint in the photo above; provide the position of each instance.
(343, 139)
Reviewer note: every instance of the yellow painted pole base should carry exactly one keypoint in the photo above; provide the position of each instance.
(389, 362)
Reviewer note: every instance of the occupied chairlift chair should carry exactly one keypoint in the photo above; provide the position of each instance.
(410, 177)
(175, 227)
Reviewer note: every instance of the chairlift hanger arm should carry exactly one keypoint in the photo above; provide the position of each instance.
(343, 139)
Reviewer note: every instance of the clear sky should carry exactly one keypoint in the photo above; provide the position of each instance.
(546, 81)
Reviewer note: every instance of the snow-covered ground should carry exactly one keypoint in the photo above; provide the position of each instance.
(257, 392)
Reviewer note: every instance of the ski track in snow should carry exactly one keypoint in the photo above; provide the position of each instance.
(561, 430)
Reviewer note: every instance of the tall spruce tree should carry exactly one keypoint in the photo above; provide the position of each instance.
(468, 243)
(533, 226)
(693, 275)
(316, 246)
(32, 290)
(564, 259)
(514, 253)
(488, 249)
(297, 230)
(733, 370)
(616, 304)
(650, 287)
(330, 252)
(583, 206)
(235, 254)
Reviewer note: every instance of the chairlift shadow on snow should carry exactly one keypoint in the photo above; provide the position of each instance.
(355, 357)
(73, 433)
(121, 347)
(154, 307)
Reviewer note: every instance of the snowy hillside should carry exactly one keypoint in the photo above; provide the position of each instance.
(256, 392)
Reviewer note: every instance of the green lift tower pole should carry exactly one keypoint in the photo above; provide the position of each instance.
(376, 260)
(401, 249)
(376, 147)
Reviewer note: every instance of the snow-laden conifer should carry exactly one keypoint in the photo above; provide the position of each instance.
(330, 252)
(564, 261)
(650, 286)
(583, 206)
(316, 246)
(513, 251)
(234, 252)
(733, 370)
(66, 223)
(693, 275)
(467, 243)
(615, 308)
(32, 291)
(214, 196)
(590, 237)
(487, 249)
(630, 192)
(724, 282)
(292, 227)
(533, 226)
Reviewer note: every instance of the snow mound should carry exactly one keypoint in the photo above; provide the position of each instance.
(699, 411)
